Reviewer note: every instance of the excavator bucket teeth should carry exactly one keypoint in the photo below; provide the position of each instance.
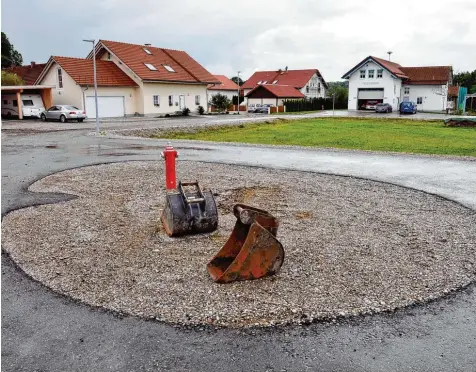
(189, 212)
(252, 250)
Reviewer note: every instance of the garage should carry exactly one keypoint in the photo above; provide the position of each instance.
(109, 107)
(371, 95)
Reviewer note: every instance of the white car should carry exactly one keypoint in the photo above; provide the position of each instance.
(32, 105)
(63, 113)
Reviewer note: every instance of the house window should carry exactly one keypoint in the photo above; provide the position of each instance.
(108, 55)
(264, 82)
(151, 67)
(371, 74)
(5, 102)
(168, 68)
(147, 51)
(60, 79)
(156, 100)
(15, 103)
(274, 82)
(197, 100)
(171, 100)
(362, 74)
(318, 87)
(259, 82)
(307, 88)
(406, 90)
(419, 100)
(380, 73)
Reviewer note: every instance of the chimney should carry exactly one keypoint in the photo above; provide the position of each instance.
(33, 64)
(148, 44)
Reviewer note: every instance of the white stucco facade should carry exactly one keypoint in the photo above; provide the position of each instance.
(69, 94)
(371, 81)
(314, 88)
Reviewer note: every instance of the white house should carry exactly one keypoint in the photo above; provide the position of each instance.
(225, 86)
(132, 80)
(380, 80)
(309, 82)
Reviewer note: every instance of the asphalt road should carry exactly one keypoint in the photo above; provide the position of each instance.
(43, 331)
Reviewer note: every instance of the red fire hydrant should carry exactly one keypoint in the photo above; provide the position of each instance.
(170, 154)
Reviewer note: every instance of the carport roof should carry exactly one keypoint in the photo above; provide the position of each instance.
(81, 71)
(279, 91)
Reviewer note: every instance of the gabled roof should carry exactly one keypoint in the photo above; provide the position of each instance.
(185, 68)
(427, 75)
(225, 84)
(279, 91)
(411, 75)
(392, 67)
(28, 73)
(294, 78)
(81, 71)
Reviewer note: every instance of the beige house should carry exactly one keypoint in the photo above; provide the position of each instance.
(132, 80)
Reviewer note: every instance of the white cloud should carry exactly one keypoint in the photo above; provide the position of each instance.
(252, 35)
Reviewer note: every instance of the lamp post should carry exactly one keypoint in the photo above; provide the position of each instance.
(95, 82)
(238, 100)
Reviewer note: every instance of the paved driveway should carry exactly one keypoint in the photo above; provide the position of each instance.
(42, 331)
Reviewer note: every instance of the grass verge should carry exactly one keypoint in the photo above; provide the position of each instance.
(411, 136)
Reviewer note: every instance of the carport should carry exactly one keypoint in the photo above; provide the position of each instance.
(45, 91)
(369, 94)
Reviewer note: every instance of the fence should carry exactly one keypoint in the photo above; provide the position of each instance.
(274, 109)
(314, 104)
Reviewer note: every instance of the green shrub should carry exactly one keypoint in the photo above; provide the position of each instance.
(201, 110)
(186, 111)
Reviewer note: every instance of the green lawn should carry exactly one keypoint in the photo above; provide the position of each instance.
(424, 137)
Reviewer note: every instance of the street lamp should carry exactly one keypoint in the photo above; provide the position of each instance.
(238, 101)
(95, 82)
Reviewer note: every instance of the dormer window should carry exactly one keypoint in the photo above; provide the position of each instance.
(264, 82)
(168, 68)
(274, 82)
(147, 51)
(259, 82)
(151, 67)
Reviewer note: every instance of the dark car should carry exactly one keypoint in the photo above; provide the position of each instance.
(408, 108)
(383, 107)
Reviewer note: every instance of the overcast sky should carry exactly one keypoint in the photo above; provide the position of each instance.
(226, 36)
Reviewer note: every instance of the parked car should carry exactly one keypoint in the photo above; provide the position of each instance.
(408, 108)
(369, 105)
(63, 113)
(383, 107)
(32, 105)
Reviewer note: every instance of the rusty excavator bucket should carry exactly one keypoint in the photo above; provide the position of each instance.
(252, 251)
(189, 212)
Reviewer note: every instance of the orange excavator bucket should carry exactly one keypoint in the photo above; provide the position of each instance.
(252, 251)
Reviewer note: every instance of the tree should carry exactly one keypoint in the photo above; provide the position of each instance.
(466, 79)
(10, 56)
(220, 102)
(10, 78)
(237, 80)
(338, 88)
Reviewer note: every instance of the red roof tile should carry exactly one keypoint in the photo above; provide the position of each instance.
(81, 70)
(29, 73)
(279, 91)
(453, 91)
(294, 78)
(427, 75)
(225, 84)
(134, 56)
(393, 67)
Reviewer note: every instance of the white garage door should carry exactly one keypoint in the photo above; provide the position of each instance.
(370, 93)
(109, 107)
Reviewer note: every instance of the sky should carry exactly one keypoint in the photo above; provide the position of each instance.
(251, 35)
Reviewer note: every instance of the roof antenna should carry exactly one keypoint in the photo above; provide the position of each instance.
(389, 54)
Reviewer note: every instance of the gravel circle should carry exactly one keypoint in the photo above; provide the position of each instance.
(352, 246)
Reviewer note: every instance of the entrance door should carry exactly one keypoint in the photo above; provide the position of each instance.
(182, 102)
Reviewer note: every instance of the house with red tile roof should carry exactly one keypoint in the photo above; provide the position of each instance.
(225, 86)
(378, 80)
(271, 94)
(28, 73)
(309, 82)
(132, 79)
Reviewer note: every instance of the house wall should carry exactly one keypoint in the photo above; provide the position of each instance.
(70, 94)
(130, 95)
(390, 85)
(163, 90)
(313, 85)
(434, 97)
(265, 101)
(228, 93)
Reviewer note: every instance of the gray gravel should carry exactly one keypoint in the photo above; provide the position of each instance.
(352, 246)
